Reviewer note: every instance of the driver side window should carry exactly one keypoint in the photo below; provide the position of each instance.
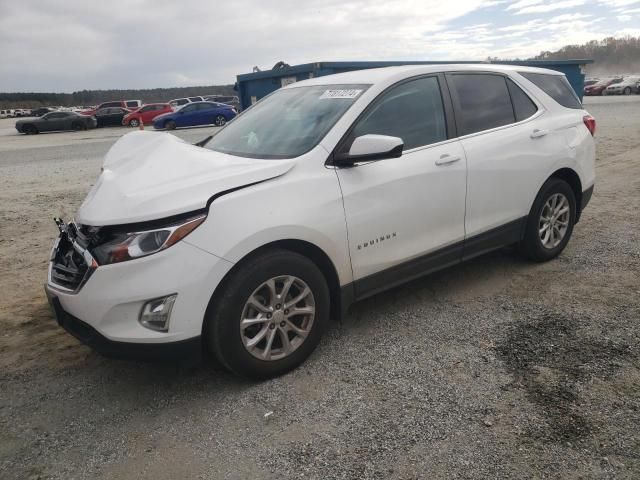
(412, 111)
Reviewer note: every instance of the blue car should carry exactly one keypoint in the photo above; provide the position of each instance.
(195, 114)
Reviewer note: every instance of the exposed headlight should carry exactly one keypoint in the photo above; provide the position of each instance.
(121, 247)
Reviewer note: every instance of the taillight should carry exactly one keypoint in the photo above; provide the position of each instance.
(590, 123)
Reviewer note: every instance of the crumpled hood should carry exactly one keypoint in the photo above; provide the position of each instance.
(150, 175)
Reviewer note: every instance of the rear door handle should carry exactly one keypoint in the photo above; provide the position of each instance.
(446, 159)
(539, 133)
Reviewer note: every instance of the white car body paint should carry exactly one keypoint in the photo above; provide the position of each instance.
(401, 208)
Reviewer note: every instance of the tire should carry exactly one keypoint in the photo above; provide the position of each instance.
(30, 130)
(170, 125)
(134, 122)
(220, 120)
(77, 126)
(226, 338)
(558, 231)
(627, 91)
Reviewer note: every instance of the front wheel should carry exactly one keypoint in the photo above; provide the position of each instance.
(627, 91)
(220, 121)
(269, 316)
(134, 122)
(170, 125)
(550, 222)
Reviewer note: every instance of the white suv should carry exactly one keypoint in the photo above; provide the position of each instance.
(245, 245)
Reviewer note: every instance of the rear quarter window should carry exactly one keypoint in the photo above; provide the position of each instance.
(523, 106)
(556, 86)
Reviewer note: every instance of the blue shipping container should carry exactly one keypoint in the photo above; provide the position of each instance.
(252, 87)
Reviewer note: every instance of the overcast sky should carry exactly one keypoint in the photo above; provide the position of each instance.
(62, 46)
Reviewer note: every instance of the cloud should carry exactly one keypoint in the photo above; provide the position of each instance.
(550, 7)
(72, 45)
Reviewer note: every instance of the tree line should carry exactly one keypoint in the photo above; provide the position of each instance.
(610, 55)
(94, 97)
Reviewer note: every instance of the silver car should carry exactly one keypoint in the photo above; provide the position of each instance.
(628, 86)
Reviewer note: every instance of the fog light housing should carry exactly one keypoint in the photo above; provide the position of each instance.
(155, 313)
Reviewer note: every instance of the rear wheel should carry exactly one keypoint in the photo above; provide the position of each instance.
(134, 122)
(627, 91)
(551, 220)
(269, 316)
(78, 126)
(170, 125)
(220, 120)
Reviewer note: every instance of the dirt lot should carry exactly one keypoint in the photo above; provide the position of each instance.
(498, 368)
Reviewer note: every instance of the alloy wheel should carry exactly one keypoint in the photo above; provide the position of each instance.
(554, 220)
(277, 318)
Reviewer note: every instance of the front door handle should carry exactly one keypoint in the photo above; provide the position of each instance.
(539, 133)
(446, 159)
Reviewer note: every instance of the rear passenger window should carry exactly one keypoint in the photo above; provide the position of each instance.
(412, 111)
(556, 86)
(482, 102)
(523, 106)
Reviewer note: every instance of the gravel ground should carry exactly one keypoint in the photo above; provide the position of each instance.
(497, 368)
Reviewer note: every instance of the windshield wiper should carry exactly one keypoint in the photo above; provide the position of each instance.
(203, 142)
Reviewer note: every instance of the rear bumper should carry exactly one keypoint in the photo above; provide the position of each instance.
(185, 351)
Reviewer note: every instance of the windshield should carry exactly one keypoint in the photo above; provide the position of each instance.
(287, 123)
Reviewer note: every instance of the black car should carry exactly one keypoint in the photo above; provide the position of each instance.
(55, 121)
(111, 116)
(38, 112)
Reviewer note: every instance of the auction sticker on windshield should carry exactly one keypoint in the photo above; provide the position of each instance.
(348, 93)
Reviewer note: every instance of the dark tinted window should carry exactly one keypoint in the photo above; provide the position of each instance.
(482, 102)
(205, 106)
(556, 86)
(133, 103)
(412, 111)
(523, 106)
(189, 108)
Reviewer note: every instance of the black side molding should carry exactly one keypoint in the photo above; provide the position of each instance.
(586, 198)
(506, 234)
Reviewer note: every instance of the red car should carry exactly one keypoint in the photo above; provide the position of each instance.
(598, 88)
(128, 104)
(146, 114)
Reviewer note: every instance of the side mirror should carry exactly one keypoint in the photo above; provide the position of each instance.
(369, 148)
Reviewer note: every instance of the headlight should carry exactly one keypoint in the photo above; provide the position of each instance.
(126, 246)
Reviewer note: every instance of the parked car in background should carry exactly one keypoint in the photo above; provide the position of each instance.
(249, 245)
(599, 88)
(128, 104)
(226, 99)
(591, 81)
(38, 112)
(11, 113)
(178, 102)
(55, 121)
(196, 114)
(627, 86)
(4, 113)
(111, 116)
(146, 114)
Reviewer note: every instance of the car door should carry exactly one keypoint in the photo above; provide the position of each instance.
(53, 121)
(186, 115)
(405, 216)
(509, 149)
